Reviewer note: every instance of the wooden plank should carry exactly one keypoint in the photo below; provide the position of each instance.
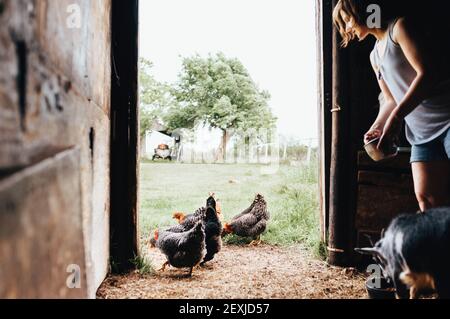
(11, 119)
(343, 174)
(381, 179)
(81, 54)
(377, 206)
(324, 49)
(41, 229)
(320, 106)
(125, 135)
(401, 162)
(54, 93)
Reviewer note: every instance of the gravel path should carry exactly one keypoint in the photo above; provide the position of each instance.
(242, 273)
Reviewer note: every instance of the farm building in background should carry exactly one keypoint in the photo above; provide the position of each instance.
(202, 145)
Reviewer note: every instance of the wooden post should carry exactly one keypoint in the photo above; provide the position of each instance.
(339, 221)
(125, 135)
(324, 29)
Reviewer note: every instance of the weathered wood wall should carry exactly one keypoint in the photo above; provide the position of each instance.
(54, 95)
(385, 190)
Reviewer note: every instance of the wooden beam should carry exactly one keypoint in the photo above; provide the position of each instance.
(340, 171)
(125, 134)
(320, 112)
(324, 29)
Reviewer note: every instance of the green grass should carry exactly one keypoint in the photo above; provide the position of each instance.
(143, 265)
(291, 193)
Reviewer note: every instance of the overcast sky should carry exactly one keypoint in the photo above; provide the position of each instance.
(274, 39)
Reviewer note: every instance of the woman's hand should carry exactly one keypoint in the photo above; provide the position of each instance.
(375, 132)
(391, 131)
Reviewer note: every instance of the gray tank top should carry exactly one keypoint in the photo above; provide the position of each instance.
(431, 118)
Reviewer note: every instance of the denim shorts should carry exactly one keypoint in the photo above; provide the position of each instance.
(434, 151)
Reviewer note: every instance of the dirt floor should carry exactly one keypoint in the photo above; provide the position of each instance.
(238, 272)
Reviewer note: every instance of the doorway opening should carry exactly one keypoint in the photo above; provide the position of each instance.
(229, 106)
(230, 111)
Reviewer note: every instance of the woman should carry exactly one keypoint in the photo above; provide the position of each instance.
(416, 89)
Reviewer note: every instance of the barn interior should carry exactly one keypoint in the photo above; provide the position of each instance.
(69, 134)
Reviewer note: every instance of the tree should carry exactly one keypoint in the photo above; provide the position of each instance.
(155, 97)
(220, 92)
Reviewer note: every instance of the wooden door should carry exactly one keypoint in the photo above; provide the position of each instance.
(55, 71)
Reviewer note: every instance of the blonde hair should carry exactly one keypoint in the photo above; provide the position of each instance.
(356, 10)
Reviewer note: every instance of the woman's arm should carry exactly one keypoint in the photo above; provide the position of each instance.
(422, 63)
(422, 85)
(387, 106)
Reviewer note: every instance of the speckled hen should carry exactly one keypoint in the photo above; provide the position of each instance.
(183, 249)
(213, 227)
(252, 222)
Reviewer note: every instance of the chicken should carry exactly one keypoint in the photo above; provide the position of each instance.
(252, 222)
(213, 230)
(183, 249)
(199, 213)
(179, 216)
(213, 227)
(152, 241)
(219, 210)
